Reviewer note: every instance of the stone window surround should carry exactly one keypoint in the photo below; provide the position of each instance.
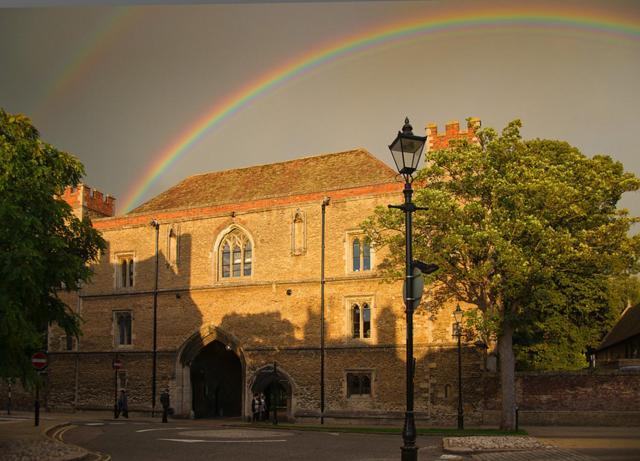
(298, 231)
(173, 253)
(217, 255)
(349, 301)
(350, 236)
(117, 268)
(115, 332)
(371, 372)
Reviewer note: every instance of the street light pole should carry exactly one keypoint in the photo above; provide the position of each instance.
(325, 203)
(156, 225)
(458, 316)
(406, 150)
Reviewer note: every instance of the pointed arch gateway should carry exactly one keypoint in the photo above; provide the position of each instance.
(278, 388)
(210, 372)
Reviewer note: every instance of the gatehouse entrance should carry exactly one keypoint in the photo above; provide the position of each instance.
(216, 380)
(276, 388)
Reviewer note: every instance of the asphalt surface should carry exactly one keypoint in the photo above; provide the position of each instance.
(200, 440)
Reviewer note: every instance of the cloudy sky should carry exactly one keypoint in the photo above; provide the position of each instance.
(123, 86)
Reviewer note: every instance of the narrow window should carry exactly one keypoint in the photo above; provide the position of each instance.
(356, 255)
(355, 309)
(366, 321)
(123, 328)
(123, 273)
(69, 341)
(130, 272)
(237, 261)
(366, 255)
(247, 259)
(226, 261)
(353, 384)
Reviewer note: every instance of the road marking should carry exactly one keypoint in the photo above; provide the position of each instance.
(94, 424)
(161, 429)
(221, 441)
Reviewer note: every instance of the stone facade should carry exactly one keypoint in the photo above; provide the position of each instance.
(271, 316)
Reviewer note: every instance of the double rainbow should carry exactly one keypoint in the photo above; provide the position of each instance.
(551, 17)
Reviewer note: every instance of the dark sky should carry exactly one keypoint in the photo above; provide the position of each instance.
(116, 85)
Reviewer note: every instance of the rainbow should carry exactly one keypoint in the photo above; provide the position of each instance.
(85, 57)
(551, 17)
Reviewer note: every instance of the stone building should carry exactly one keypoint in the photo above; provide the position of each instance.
(232, 265)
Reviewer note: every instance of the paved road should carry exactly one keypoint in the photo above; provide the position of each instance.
(602, 443)
(200, 440)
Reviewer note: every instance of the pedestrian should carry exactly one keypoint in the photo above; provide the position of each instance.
(166, 402)
(123, 407)
(262, 407)
(254, 408)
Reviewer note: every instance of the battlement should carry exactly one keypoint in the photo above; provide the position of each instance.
(87, 201)
(451, 131)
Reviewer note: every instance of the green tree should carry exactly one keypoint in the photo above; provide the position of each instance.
(43, 245)
(526, 231)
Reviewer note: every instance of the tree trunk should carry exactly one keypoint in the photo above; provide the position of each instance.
(507, 379)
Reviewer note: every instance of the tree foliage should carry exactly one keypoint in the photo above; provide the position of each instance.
(43, 245)
(526, 230)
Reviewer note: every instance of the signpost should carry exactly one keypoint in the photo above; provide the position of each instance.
(39, 361)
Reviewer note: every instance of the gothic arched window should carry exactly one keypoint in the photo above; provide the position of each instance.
(235, 255)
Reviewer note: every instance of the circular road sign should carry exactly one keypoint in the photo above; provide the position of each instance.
(39, 360)
(117, 364)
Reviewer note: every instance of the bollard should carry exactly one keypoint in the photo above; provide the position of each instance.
(517, 411)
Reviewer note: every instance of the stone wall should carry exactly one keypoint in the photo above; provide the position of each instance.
(589, 397)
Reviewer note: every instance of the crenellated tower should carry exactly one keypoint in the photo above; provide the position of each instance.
(452, 131)
(86, 201)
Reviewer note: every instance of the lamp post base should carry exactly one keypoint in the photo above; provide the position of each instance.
(409, 451)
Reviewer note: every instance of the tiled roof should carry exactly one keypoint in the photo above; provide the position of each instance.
(628, 325)
(342, 170)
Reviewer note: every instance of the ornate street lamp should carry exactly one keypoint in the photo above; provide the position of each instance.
(406, 150)
(457, 315)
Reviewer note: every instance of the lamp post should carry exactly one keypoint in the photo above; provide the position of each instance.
(406, 150)
(457, 315)
(325, 204)
(156, 225)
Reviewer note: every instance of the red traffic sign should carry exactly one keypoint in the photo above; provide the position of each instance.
(117, 364)
(39, 360)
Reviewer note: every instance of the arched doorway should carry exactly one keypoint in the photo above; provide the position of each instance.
(216, 382)
(277, 390)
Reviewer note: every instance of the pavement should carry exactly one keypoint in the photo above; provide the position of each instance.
(20, 440)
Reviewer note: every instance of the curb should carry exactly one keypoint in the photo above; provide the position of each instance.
(447, 448)
(56, 432)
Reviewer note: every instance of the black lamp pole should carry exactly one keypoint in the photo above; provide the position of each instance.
(156, 225)
(406, 150)
(458, 316)
(325, 203)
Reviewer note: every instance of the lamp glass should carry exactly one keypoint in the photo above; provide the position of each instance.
(457, 314)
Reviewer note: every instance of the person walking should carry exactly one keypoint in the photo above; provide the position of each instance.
(262, 407)
(255, 403)
(166, 403)
(123, 406)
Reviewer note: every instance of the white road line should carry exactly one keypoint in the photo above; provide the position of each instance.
(161, 429)
(94, 424)
(223, 441)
